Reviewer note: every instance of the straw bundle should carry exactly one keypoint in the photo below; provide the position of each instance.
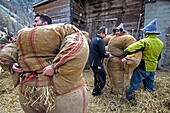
(156, 102)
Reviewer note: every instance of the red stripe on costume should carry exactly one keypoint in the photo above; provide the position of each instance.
(84, 99)
(72, 50)
(70, 90)
(28, 78)
(74, 28)
(50, 81)
(32, 47)
(22, 52)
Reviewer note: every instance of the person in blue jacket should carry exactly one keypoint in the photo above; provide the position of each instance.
(96, 56)
(151, 48)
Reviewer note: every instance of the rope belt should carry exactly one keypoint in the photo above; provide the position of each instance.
(28, 77)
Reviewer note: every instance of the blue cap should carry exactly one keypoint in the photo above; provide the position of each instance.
(151, 28)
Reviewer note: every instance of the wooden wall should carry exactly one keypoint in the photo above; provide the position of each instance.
(78, 14)
(90, 15)
(59, 10)
(64, 11)
(160, 10)
(111, 13)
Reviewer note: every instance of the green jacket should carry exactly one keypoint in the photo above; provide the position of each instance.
(152, 48)
(4, 40)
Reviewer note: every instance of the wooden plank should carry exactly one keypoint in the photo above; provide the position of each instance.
(62, 20)
(64, 8)
(103, 15)
(52, 4)
(115, 8)
(93, 2)
(79, 13)
(127, 11)
(78, 17)
(77, 6)
(60, 15)
(98, 9)
(80, 26)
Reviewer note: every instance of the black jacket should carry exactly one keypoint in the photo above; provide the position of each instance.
(97, 51)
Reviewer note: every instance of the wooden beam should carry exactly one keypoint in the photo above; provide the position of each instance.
(167, 34)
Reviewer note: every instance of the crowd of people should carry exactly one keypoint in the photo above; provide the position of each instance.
(46, 61)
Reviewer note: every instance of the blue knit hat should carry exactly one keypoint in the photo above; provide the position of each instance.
(151, 28)
(120, 27)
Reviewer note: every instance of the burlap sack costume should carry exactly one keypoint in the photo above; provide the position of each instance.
(8, 55)
(115, 67)
(86, 34)
(133, 62)
(106, 40)
(64, 46)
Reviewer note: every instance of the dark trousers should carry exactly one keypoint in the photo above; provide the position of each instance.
(99, 78)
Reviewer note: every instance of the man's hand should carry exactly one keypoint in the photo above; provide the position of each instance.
(124, 60)
(49, 70)
(110, 55)
(17, 68)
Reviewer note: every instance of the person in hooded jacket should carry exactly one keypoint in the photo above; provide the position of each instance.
(151, 48)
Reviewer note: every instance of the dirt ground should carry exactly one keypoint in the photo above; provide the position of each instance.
(157, 102)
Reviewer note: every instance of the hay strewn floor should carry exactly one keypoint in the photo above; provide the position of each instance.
(157, 102)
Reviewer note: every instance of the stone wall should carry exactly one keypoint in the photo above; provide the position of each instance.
(161, 10)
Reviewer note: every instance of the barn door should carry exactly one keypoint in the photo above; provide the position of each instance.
(109, 23)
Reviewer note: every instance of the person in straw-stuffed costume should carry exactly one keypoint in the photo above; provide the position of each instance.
(115, 68)
(151, 48)
(50, 60)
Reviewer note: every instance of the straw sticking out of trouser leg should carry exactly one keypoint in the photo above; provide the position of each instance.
(43, 96)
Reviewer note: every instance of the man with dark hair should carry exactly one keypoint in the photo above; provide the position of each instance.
(97, 54)
(41, 19)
